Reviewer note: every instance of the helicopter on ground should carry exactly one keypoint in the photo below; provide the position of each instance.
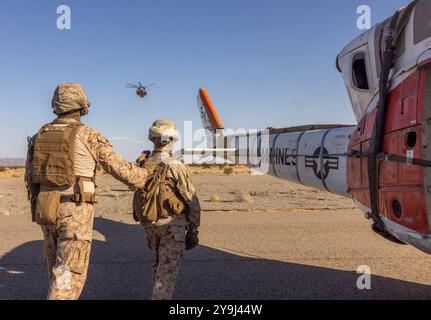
(141, 90)
(383, 162)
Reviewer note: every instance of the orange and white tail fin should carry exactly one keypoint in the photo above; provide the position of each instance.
(215, 141)
(209, 116)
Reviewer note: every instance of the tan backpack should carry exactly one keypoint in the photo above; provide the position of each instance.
(158, 199)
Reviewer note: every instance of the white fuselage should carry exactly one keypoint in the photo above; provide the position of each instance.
(315, 158)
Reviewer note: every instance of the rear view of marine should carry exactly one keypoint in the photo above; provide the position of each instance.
(168, 208)
(62, 162)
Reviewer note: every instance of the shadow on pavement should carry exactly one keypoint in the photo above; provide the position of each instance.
(120, 268)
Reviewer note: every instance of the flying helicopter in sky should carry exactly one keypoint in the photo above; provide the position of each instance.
(141, 90)
(384, 161)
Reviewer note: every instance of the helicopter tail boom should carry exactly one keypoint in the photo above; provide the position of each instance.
(209, 116)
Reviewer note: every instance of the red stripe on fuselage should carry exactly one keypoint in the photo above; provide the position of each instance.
(399, 183)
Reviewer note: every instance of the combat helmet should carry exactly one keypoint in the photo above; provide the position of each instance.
(70, 97)
(163, 130)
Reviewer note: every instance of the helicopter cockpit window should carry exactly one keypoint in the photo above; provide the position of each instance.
(422, 21)
(359, 72)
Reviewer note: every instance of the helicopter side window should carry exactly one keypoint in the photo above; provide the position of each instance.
(422, 24)
(359, 72)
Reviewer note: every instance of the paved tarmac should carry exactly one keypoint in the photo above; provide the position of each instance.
(243, 255)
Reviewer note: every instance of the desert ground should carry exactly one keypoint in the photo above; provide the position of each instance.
(261, 238)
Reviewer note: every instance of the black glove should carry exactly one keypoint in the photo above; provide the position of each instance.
(192, 239)
(135, 216)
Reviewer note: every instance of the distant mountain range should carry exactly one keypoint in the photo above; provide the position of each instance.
(12, 162)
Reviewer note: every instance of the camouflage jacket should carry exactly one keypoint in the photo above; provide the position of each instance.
(178, 175)
(104, 157)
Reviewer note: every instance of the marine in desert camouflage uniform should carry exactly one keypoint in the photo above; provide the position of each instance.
(170, 235)
(67, 242)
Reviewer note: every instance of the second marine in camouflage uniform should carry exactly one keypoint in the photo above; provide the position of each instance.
(174, 226)
(68, 237)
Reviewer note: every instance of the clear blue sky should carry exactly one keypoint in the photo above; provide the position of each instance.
(264, 63)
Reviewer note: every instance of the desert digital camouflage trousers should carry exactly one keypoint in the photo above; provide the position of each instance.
(67, 248)
(168, 244)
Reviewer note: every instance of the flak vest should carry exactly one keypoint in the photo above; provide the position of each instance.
(58, 150)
